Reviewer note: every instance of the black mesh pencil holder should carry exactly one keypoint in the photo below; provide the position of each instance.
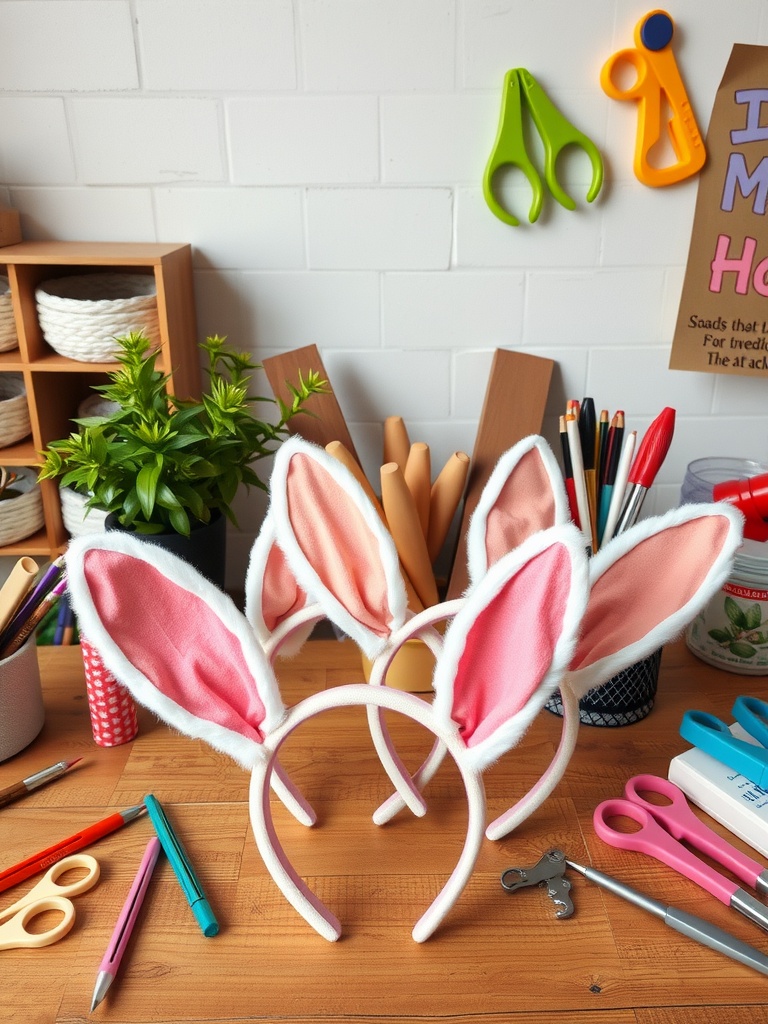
(624, 699)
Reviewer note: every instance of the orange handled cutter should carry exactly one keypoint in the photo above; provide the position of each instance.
(657, 77)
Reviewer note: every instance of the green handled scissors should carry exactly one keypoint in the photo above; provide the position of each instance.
(556, 133)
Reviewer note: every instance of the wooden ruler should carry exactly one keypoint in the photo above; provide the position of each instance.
(515, 399)
(327, 421)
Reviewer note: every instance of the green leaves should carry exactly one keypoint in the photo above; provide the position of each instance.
(745, 633)
(161, 463)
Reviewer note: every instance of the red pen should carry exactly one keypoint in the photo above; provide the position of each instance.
(650, 455)
(44, 859)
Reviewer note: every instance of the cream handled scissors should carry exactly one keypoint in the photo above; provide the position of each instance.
(657, 77)
(48, 894)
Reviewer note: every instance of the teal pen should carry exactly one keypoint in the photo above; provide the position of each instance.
(182, 867)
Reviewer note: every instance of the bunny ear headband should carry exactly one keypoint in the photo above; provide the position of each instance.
(192, 658)
(645, 586)
(538, 590)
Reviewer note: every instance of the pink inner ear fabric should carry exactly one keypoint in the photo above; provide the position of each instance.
(337, 543)
(524, 506)
(173, 638)
(650, 583)
(281, 596)
(509, 647)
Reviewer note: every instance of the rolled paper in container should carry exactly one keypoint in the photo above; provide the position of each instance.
(405, 528)
(397, 443)
(113, 711)
(445, 497)
(418, 477)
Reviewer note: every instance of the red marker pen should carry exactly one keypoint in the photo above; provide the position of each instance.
(650, 455)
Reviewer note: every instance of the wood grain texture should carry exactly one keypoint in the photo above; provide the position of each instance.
(513, 408)
(497, 956)
(327, 421)
(10, 226)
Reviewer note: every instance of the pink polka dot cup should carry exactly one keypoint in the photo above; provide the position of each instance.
(113, 711)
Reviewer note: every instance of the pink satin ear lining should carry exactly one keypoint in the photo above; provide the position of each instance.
(524, 506)
(161, 636)
(504, 658)
(281, 596)
(639, 592)
(338, 543)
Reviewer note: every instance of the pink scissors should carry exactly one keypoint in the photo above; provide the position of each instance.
(662, 827)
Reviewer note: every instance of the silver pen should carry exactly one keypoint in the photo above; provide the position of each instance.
(693, 927)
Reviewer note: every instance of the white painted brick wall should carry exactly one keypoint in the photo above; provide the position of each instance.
(325, 160)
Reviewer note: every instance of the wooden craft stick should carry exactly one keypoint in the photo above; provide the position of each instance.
(327, 421)
(397, 444)
(405, 528)
(515, 400)
(418, 478)
(444, 499)
(20, 581)
(339, 452)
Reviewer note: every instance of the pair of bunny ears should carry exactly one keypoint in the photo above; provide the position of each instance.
(537, 615)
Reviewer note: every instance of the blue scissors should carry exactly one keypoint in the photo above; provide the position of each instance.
(714, 737)
(556, 133)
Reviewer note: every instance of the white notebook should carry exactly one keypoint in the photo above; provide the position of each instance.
(723, 793)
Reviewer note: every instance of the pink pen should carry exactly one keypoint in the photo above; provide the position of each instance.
(110, 964)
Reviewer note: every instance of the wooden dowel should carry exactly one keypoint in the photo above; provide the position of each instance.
(444, 499)
(418, 478)
(405, 528)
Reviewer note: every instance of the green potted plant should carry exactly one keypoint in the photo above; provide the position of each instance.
(165, 466)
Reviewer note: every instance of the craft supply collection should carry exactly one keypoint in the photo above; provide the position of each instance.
(549, 542)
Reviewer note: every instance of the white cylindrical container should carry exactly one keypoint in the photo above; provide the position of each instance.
(731, 632)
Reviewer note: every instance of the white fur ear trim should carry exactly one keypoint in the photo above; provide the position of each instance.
(595, 673)
(525, 513)
(522, 695)
(254, 579)
(264, 550)
(387, 566)
(184, 580)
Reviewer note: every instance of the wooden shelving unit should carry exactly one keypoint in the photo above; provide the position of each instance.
(56, 385)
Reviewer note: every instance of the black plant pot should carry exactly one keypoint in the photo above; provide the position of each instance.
(205, 548)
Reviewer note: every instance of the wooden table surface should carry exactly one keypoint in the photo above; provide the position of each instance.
(496, 957)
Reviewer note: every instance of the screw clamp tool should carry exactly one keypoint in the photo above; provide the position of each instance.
(549, 871)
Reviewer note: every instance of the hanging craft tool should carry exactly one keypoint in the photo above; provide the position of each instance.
(662, 831)
(657, 86)
(509, 150)
(715, 738)
(48, 894)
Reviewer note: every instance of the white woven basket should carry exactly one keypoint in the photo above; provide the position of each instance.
(81, 316)
(73, 514)
(22, 515)
(8, 337)
(15, 423)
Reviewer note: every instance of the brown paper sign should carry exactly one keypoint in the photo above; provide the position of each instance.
(722, 324)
